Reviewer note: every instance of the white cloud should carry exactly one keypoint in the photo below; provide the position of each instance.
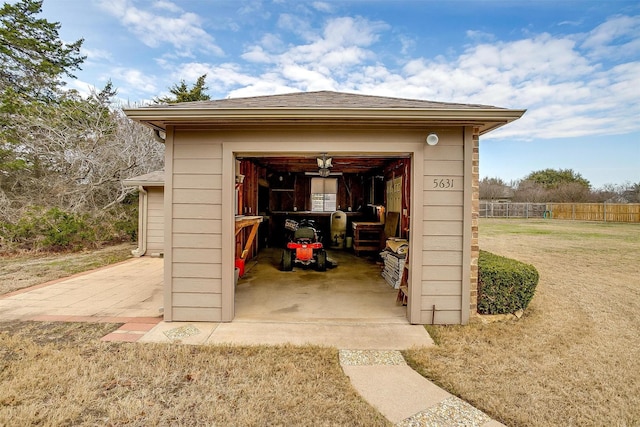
(183, 30)
(256, 54)
(407, 43)
(133, 78)
(480, 36)
(168, 6)
(322, 6)
(96, 54)
(296, 25)
(572, 85)
(617, 37)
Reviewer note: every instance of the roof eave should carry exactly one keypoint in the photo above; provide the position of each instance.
(487, 118)
(134, 183)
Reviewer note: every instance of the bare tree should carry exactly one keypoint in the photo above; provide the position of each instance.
(531, 192)
(494, 189)
(78, 152)
(571, 192)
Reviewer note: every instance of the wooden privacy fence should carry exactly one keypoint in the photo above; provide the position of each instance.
(608, 212)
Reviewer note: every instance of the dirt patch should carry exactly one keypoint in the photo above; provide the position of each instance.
(24, 270)
(572, 359)
(90, 382)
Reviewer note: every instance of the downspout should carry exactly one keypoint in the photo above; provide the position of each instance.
(158, 137)
(142, 224)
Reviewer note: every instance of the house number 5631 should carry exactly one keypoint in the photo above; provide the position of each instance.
(443, 183)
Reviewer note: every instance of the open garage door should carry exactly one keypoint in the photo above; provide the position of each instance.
(368, 191)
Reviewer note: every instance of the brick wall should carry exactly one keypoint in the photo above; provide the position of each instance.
(475, 209)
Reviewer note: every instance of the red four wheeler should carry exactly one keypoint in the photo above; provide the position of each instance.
(304, 246)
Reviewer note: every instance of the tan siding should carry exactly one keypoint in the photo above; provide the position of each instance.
(435, 258)
(197, 229)
(442, 287)
(442, 272)
(194, 150)
(196, 314)
(442, 302)
(184, 269)
(192, 284)
(201, 181)
(444, 152)
(155, 220)
(443, 198)
(202, 256)
(155, 240)
(443, 213)
(196, 166)
(197, 196)
(444, 167)
(442, 243)
(196, 211)
(197, 240)
(190, 299)
(443, 230)
(452, 317)
(197, 226)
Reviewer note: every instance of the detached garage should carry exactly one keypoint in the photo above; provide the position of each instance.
(261, 161)
(150, 213)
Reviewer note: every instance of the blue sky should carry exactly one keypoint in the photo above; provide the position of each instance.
(574, 65)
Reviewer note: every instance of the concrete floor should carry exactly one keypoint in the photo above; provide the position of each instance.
(353, 292)
(131, 289)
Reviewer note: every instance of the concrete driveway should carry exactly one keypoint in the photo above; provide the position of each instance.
(130, 289)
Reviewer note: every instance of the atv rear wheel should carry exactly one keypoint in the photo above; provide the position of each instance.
(287, 260)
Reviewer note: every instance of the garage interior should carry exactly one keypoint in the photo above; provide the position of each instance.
(357, 203)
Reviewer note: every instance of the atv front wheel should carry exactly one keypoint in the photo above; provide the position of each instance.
(322, 260)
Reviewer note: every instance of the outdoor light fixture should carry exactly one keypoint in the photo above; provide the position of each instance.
(432, 139)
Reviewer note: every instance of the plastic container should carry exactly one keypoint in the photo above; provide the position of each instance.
(240, 266)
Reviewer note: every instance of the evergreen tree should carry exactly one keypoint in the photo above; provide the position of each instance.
(552, 178)
(32, 55)
(183, 94)
(33, 60)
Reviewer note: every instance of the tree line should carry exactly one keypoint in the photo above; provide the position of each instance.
(558, 186)
(64, 156)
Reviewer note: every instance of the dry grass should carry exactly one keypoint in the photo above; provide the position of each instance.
(27, 269)
(574, 358)
(60, 374)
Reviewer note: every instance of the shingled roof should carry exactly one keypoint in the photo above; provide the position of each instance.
(323, 108)
(151, 179)
(322, 99)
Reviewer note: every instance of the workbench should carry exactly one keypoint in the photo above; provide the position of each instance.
(243, 222)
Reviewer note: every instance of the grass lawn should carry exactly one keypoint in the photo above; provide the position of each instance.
(574, 357)
(61, 374)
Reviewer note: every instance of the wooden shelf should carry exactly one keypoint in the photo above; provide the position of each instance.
(367, 236)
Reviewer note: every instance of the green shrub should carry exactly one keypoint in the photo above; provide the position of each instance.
(504, 284)
(65, 231)
(47, 229)
(52, 229)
